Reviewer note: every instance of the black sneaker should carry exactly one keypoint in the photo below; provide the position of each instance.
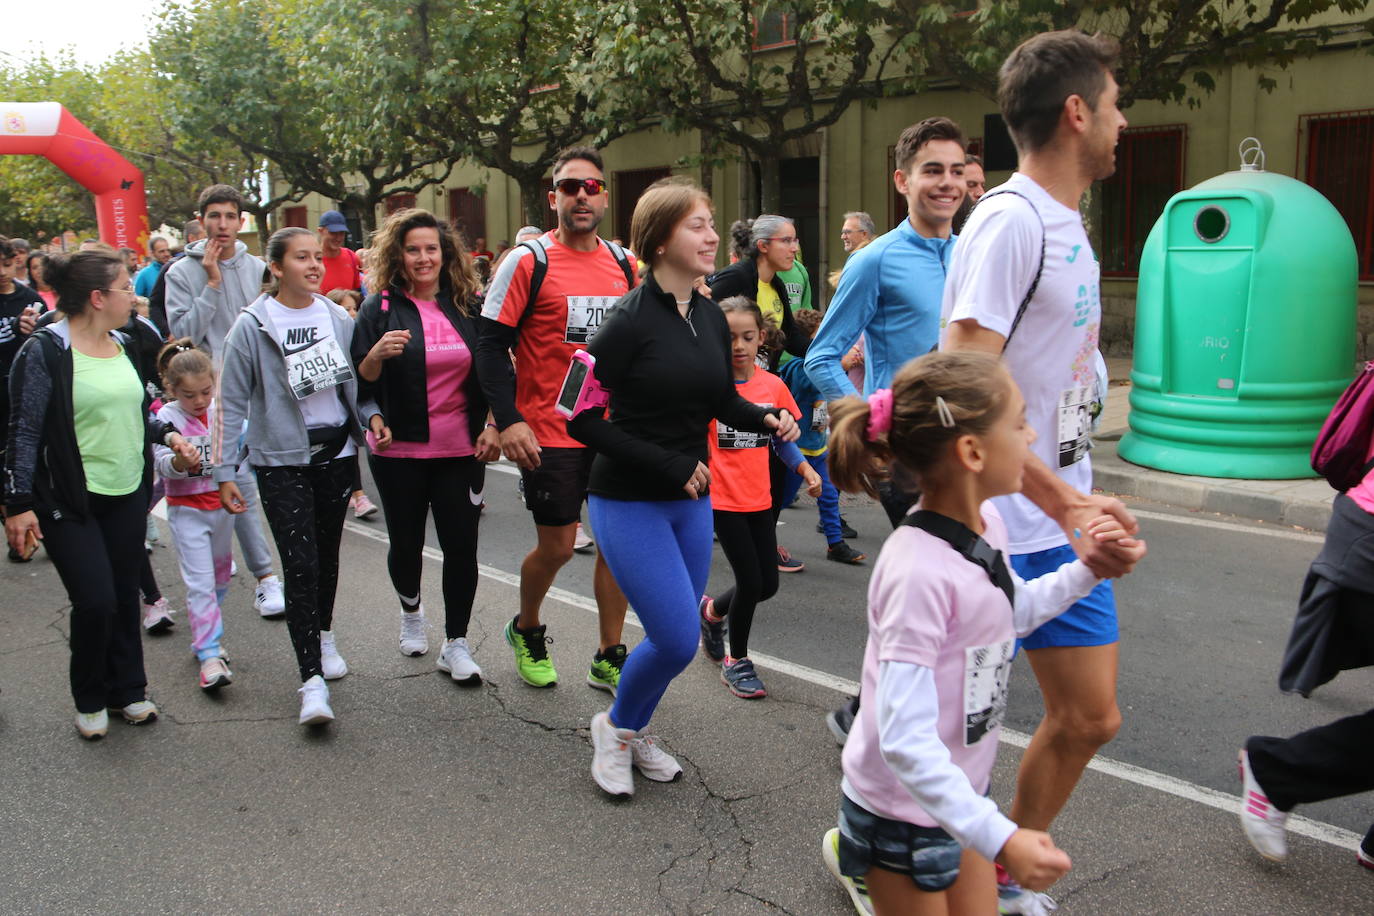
(739, 675)
(843, 553)
(1365, 854)
(712, 634)
(840, 722)
(846, 532)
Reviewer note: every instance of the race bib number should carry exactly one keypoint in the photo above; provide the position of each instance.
(317, 368)
(1077, 408)
(987, 670)
(729, 437)
(202, 446)
(585, 314)
(820, 416)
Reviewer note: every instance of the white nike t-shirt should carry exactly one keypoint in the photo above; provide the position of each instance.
(1053, 354)
(314, 360)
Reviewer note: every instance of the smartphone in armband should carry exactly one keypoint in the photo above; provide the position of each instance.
(580, 389)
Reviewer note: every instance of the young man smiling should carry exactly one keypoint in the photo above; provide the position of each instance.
(545, 302)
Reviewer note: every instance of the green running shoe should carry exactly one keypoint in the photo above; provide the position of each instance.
(605, 671)
(531, 655)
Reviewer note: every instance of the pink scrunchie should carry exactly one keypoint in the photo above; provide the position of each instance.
(879, 413)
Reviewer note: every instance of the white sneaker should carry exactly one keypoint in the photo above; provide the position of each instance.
(151, 535)
(233, 567)
(315, 702)
(414, 639)
(652, 761)
(93, 725)
(157, 617)
(455, 658)
(268, 598)
(1262, 822)
(612, 757)
(331, 662)
(139, 713)
(582, 541)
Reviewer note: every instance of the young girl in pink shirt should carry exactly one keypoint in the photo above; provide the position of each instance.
(917, 832)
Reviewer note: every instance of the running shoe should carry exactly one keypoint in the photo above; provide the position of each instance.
(612, 758)
(269, 599)
(157, 617)
(652, 761)
(582, 541)
(846, 532)
(739, 675)
(1262, 822)
(854, 887)
(604, 673)
(414, 639)
(151, 534)
(840, 721)
(531, 655)
(1015, 900)
(456, 659)
(1365, 853)
(214, 674)
(332, 665)
(315, 702)
(712, 632)
(93, 725)
(362, 506)
(787, 563)
(140, 712)
(843, 553)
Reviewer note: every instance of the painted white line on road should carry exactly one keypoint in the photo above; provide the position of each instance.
(1160, 782)
(1233, 527)
(504, 467)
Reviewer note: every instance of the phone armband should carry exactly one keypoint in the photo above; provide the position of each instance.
(580, 389)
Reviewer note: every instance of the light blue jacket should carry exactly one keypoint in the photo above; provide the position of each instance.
(890, 292)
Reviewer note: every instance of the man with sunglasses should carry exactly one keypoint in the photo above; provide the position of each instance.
(544, 303)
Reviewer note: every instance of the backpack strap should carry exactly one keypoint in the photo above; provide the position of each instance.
(623, 260)
(537, 272)
(971, 546)
(1030, 293)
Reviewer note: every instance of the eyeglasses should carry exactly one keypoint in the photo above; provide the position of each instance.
(788, 240)
(570, 186)
(122, 289)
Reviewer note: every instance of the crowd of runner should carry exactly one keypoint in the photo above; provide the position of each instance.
(953, 377)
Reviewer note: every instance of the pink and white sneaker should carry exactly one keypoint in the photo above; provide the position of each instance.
(157, 617)
(1262, 822)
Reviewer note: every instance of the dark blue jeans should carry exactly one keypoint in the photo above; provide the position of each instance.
(828, 503)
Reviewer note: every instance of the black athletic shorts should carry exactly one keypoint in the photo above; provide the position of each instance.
(555, 491)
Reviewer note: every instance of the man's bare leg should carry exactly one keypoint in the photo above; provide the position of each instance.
(1079, 687)
(552, 551)
(611, 604)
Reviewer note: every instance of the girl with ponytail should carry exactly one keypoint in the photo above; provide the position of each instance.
(917, 831)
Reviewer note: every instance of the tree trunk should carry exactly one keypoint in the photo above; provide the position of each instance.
(770, 182)
(534, 199)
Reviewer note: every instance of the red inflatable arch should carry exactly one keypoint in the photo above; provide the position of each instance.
(48, 129)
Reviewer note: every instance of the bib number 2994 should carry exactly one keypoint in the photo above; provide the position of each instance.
(317, 368)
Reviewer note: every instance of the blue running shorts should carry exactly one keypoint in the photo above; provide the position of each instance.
(1090, 622)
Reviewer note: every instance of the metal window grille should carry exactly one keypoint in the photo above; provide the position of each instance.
(1149, 170)
(1340, 164)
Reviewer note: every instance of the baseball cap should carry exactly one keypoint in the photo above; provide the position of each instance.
(334, 221)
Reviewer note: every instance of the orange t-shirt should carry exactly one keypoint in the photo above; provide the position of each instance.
(739, 459)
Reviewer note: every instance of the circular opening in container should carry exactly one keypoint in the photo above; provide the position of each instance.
(1211, 224)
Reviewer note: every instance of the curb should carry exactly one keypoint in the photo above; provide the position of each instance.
(1303, 504)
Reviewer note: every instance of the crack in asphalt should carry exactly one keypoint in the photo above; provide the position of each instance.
(1099, 879)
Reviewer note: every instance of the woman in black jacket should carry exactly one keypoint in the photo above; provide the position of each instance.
(79, 459)
(663, 353)
(769, 246)
(413, 346)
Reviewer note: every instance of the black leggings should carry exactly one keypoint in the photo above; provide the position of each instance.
(99, 559)
(452, 487)
(750, 543)
(305, 508)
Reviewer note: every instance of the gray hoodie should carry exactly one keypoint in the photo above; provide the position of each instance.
(253, 385)
(201, 313)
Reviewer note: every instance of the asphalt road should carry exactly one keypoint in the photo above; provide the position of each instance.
(425, 796)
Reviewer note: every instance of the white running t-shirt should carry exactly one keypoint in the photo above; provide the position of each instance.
(315, 362)
(1053, 354)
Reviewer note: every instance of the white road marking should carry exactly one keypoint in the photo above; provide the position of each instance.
(1160, 782)
(1232, 527)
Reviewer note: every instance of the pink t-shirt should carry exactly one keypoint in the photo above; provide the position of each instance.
(1363, 492)
(447, 364)
(929, 606)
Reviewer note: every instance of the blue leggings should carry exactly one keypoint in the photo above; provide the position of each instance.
(660, 555)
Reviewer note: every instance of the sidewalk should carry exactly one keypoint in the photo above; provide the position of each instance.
(426, 797)
(1302, 503)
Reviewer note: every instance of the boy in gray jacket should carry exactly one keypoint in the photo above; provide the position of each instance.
(206, 290)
